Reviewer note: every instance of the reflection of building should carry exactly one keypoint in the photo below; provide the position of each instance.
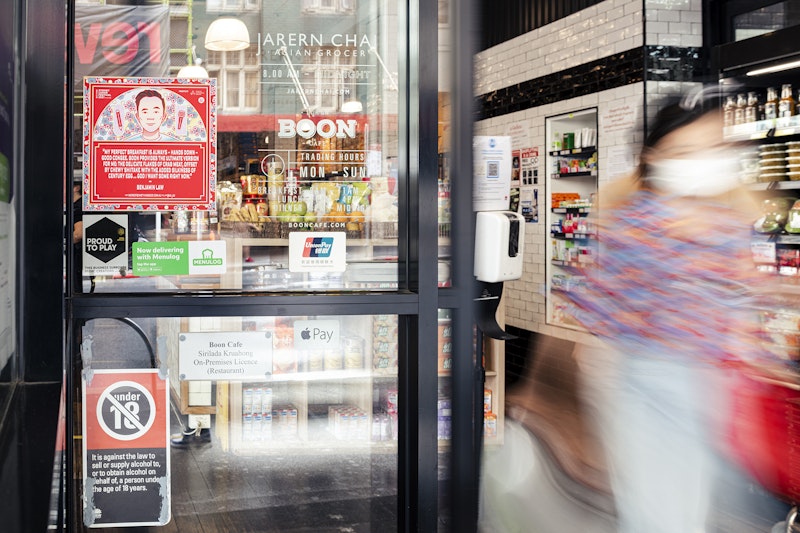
(324, 54)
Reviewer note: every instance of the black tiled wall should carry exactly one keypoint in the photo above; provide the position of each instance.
(600, 75)
(654, 63)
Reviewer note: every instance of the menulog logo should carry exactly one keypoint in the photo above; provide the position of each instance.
(318, 247)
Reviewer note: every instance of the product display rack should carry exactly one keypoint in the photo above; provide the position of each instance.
(764, 135)
(572, 180)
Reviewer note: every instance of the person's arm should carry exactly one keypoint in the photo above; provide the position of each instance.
(77, 232)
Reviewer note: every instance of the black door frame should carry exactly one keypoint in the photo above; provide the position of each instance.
(417, 301)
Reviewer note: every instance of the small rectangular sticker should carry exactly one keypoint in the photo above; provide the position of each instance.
(178, 258)
(317, 251)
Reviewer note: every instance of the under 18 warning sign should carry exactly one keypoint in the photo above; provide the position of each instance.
(125, 455)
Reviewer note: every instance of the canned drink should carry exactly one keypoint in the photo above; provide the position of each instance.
(394, 422)
(362, 425)
(258, 395)
(376, 428)
(247, 401)
(266, 402)
(247, 427)
(386, 427)
(257, 424)
(266, 428)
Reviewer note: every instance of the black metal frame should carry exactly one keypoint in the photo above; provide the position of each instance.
(467, 373)
(735, 58)
(417, 302)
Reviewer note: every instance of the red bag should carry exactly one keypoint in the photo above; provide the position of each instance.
(764, 433)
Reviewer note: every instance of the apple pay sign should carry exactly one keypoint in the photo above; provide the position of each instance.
(316, 334)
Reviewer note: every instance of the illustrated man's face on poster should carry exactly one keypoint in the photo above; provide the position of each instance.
(150, 113)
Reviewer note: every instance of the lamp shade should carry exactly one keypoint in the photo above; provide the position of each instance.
(193, 71)
(227, 35)
(352, 106)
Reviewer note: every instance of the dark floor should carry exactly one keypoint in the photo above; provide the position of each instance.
(217, 491)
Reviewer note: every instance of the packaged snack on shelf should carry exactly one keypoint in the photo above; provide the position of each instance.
(788, 261)
(353, 348)
(390, 401)
(333, 359)
(349, 422)
(490, 425)
(558, 197)
(229, 198)
(445, 346)
(384, 344)
(284, 359)
(444, 411)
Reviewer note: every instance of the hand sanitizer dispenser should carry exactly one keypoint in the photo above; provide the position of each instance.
(499, 241)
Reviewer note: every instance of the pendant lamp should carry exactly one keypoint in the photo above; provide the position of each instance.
(193, 71)
(227, 35)
(352, 106)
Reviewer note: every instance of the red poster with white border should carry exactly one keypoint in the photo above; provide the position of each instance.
(126, 472)
(149, 144)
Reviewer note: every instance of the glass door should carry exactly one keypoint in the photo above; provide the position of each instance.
(253, 284)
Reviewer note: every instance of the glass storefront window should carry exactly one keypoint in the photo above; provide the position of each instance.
(306, 181)
(290, 421)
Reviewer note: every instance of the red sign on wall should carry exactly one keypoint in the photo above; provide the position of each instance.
(125, 453)
(149, 144)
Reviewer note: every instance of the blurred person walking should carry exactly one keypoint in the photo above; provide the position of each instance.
(674, 298)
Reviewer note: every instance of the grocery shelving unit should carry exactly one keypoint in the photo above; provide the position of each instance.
(572, 178)
(735, 63)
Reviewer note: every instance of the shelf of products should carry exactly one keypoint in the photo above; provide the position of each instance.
(572, 170)
(318, 400)
(765, 110)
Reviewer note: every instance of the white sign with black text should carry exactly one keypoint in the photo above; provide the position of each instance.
(230, 355)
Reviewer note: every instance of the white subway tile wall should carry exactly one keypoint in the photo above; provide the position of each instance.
(674, 22)
(525, 298)
(598, 31)
(602, 30)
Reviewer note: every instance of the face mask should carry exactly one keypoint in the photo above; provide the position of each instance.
(694, 177)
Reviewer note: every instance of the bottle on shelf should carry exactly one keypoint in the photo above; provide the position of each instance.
(786, 104)
(556, 142)
(569, 226)
(728, 111)
(751, 111)
(771, 105)
(738, 112)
